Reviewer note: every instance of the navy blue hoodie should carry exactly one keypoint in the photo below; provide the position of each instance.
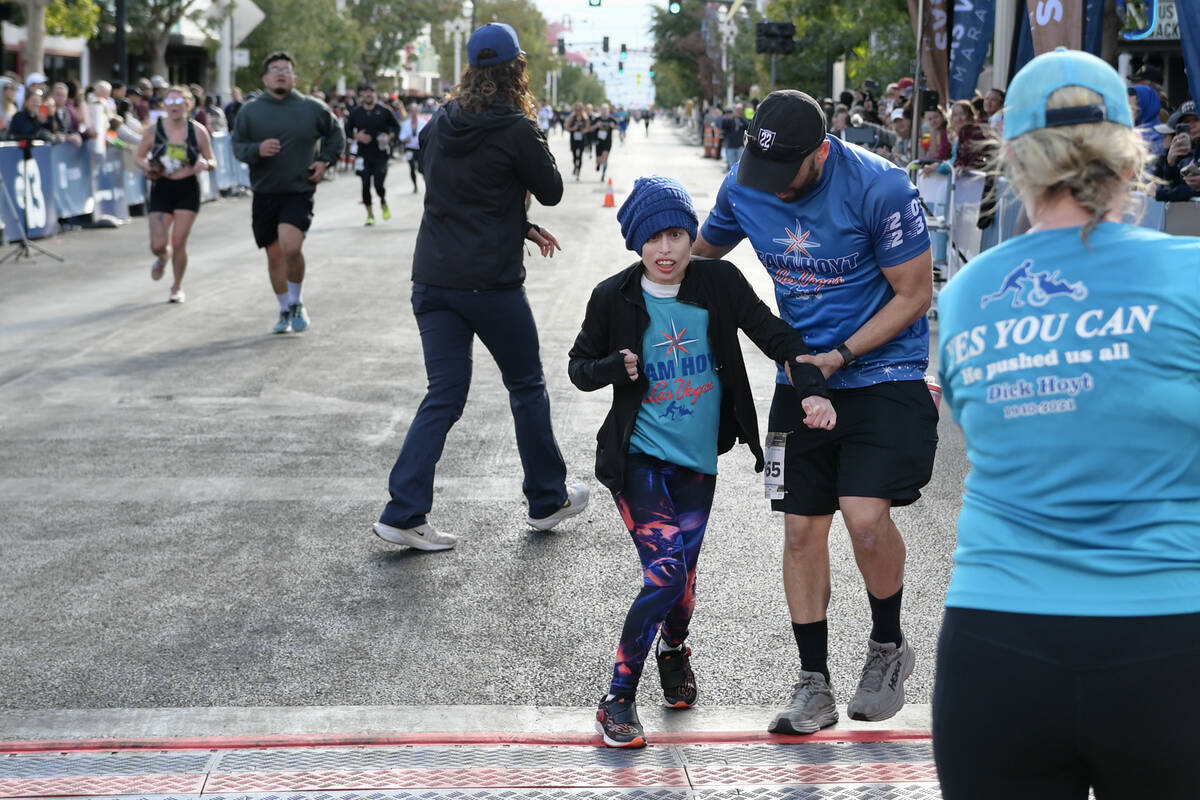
(477, 169)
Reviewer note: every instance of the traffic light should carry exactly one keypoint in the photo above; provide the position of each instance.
(590, 68)
(652, 72)
(620, 66)
(604, 45)
(675, 7)
(624, 53)
(594, 3)
(562, 46)
(774, 37)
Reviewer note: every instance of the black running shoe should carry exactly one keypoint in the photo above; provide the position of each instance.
(617, 721)
(678, 681)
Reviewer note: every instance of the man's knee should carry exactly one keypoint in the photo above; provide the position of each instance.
(868, 519)
(805, 536)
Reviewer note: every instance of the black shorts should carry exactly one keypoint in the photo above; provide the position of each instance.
(603, 146)
(269, 211)
(882, 446)
(168, 196)
(374, 167)
(1041, 707)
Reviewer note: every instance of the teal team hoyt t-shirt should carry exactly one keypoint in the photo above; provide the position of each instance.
(681, 412)
(1074, 370)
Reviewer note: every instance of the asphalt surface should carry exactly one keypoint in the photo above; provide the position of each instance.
(186, 498)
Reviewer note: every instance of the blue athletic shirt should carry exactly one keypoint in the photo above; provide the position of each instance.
(826, 253)
(681, 412)
(1074, 370)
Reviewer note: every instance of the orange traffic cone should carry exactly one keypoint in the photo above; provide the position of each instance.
(609, 200)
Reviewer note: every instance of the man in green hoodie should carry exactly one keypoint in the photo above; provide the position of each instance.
(288, 140)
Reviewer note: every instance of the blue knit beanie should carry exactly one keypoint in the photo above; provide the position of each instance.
(655, 204)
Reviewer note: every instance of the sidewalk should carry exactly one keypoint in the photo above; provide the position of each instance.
(387, 753)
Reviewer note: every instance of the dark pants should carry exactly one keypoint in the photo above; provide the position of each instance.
(1042, 707)
(376, 170)
(449, 321)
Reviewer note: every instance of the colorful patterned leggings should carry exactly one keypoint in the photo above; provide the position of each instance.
(665, 507)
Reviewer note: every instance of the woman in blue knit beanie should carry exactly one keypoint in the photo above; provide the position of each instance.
(663, 334)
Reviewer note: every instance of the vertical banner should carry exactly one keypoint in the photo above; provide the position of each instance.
(935, 50)
(1056, 23)
(1093, 35)
(1188, 14)
(972, 32)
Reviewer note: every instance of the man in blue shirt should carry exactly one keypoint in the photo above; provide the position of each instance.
(842, 233)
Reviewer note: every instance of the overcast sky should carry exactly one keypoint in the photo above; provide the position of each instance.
(622, 21)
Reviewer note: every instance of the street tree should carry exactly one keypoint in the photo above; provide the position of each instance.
(389, 25)
(326, 44)
(58, 18)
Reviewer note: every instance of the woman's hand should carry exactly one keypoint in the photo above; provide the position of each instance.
(631, 362)
(544, 239)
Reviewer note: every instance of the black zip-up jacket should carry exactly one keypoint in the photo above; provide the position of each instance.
(617, 319)
(477, 168)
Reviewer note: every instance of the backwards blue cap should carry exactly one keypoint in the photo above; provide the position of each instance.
(1025, 104)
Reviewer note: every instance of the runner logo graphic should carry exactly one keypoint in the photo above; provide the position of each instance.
(1035, 287)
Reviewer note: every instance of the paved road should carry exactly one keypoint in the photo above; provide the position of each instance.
(186, 498)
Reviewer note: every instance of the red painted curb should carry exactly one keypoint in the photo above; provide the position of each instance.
(430, 739)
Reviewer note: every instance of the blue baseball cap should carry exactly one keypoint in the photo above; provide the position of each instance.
(1025, 103)
(493, 36)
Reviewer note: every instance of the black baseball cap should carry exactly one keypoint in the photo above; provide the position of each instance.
(787, 128)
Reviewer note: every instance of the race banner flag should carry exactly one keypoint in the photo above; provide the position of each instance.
(935, 50)
(1093, 37)
(1188, 14)
(1056, 23)
(972, 32)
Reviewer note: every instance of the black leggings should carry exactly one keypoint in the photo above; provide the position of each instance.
(377, 170)
(1044, 707)
(414, 166)
(577, 157)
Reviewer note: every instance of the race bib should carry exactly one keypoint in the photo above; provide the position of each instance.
(177, 152)
(382, 140)
(773, 467)
(577, 136)
(602, 135)
(360, 164)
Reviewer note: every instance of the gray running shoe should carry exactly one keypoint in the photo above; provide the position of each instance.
(299, 317)
(880, 692)
(577, 501)
(421, 537)
(810, 709)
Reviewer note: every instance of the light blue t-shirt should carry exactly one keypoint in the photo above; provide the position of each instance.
(827, 251)
(681, 412)
(1074, 370)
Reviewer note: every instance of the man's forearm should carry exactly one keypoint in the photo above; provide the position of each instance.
(888, 322)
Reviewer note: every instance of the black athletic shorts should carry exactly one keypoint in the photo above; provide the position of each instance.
(269, 211)
(1041, 707)
(375, 167)
(882, 446)
(168, 196)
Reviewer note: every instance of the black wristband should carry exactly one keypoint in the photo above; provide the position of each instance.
(847, 354)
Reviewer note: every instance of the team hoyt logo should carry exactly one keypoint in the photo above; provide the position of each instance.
(681, 378)
(1036, 288)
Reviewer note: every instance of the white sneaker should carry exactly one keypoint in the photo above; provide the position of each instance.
(577, 500)
(422, 537)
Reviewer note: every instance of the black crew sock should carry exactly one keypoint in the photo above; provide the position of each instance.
(885, 618)
(812, 639)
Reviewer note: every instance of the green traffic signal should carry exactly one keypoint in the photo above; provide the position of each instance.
(674, 7)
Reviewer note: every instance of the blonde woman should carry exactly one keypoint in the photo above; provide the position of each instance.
(1070, 357)
(173, 152)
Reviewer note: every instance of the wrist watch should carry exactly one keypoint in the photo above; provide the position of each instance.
(848, 356)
